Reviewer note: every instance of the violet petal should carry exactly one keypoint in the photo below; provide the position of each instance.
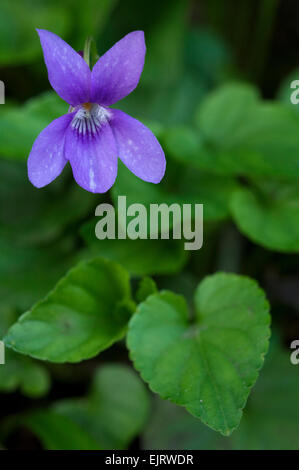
(93, 158)
(117, 72)
(46, 160)
(68, 72)
(137, 147)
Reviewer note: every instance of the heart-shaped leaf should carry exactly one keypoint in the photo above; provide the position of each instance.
(208, 365)
(86, 312)
(270, 419)
(245, 135)
(269, 215)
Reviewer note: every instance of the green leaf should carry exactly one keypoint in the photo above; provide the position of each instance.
(209, 365)
(146, 287)
(184, 144)
(269, 215)
(21, 373)
(116, 409)
(272, 142)
(187, 146)
(249, 136)
(46, 107)
(270, 419)
(171, 427)
(211, 190)
(87, 311)
(181, 186)
(58, 432)
(234, 101)
(26, 122)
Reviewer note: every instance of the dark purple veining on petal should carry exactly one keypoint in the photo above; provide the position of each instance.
(89, 118)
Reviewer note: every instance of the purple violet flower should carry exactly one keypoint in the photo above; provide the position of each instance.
(92, 135)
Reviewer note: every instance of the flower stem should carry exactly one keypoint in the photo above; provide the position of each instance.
(86, 51)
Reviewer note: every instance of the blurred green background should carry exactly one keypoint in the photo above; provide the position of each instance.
(216, 92)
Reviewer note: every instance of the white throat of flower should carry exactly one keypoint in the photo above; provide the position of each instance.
(89, 118)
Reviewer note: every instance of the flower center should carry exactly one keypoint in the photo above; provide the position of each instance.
(89, 118)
